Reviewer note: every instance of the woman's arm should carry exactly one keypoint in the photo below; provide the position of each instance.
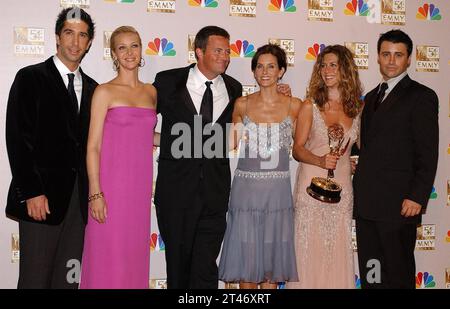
(99, 108)
(303, 128)
(154, 98)
(296, 104)
(237, 126)
(156, 139)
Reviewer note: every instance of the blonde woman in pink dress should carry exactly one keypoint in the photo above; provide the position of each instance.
(323, 231)
(120, 170)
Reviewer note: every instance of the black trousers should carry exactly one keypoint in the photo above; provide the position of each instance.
(392, 245)
(50, 255)
(192, 238)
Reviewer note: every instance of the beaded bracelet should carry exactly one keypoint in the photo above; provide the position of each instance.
(95, 196)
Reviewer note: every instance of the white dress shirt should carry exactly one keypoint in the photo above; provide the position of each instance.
(77, 81)
(392, 83)
(196, 87)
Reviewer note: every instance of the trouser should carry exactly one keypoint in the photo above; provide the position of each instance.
(50, 255)
(192, 238)
(386, 254)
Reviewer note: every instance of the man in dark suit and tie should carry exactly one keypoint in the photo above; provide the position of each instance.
(46, 131)
(192, 187)
(396, 169)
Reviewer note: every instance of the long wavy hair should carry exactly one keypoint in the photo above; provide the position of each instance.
(349, 87)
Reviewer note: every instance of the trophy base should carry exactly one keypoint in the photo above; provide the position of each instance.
(324, 190)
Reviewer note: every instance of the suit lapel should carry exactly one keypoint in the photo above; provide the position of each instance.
(393, 98)
(186, 98)
(183, 93)
(367, 114)
(231, 98)
(62, 93)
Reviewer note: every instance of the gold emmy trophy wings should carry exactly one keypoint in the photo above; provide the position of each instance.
(326, 189)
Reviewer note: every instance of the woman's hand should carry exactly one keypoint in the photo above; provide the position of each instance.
(329, 161)
(98, 210)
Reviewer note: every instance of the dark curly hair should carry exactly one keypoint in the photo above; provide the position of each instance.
(275, 51)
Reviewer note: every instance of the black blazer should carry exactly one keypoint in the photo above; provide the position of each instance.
(399, 151)
(179, 178)
(46, 141)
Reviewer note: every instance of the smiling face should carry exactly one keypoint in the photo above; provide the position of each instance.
(393, 59)
(267, 71)
(329, 70)
(215, 59)
(127, 50)
(72, 43)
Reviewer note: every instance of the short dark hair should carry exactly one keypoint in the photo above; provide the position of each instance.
(201, 38)
(74, 13)
(396, 36)
(274, 50)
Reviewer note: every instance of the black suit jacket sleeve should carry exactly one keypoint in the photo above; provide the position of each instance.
(20, 124)
(157, 85)
(425, 134)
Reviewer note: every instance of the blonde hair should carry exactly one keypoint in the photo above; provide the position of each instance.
(349, 87)
(121, 30)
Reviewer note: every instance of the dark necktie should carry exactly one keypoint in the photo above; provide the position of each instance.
(72, 94)
(380, 95)
(206, 109)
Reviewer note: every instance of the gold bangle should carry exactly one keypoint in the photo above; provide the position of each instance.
(95, 196)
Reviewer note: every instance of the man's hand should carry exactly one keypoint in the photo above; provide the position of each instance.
(38, 208)
(410, 208)
(284, 89)
(354, 163)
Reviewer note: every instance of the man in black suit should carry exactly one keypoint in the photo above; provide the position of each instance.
(192, 187)
(396, 169)
(46, 131)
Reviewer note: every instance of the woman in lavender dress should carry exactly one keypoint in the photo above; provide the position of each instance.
(120, 169)
(259, 244)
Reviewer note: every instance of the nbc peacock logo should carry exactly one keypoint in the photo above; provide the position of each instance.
(314, 51)
(282, 6)
(433, 194)
(203, 3)
(428, 12)
(357, 282)
(242, 49)
(160, 47)
(424, 281)
(357, 8)
(156, 243)
(447, 237)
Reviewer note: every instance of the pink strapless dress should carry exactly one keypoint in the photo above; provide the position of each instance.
(117, 254)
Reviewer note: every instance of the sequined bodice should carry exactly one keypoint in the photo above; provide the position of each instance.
(265, 146)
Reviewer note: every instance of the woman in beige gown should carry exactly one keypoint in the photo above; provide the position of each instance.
(323, 231)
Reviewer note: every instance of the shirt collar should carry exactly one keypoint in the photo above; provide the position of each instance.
(394, 81)
(63, 70)
(199, 79)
